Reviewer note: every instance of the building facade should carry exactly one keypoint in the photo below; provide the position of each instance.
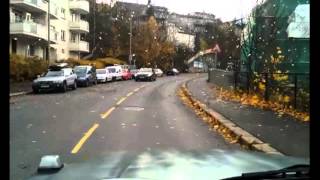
(29, 28)
(180, 37)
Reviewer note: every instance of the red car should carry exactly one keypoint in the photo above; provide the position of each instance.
(126, 74)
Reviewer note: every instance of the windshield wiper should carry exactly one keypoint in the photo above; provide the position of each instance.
(297, 172)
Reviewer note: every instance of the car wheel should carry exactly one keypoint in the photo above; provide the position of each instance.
(136, 79)
(74, 85)
(87, 83)
(64, 87)
(35, 91)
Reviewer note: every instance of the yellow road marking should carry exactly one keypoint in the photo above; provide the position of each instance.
(137, 89)
(84, 138)
(106, 114)
(129, 94)
(121, 100)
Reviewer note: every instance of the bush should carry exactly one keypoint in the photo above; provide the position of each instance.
(22, 68)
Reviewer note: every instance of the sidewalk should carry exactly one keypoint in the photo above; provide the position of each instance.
(287, 135)
(16, 88)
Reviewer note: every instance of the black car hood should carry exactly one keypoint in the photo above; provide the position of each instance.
(214, 164)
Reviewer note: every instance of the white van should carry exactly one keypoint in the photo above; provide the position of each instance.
(115, 71)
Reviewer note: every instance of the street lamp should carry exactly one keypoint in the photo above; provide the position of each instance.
(134, 60)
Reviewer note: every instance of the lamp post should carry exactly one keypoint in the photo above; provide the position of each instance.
(134, 60)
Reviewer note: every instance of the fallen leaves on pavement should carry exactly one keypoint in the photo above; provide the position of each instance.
(228, 135)
(259, 102)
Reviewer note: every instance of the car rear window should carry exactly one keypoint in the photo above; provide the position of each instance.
(101, 71)
(112, 70)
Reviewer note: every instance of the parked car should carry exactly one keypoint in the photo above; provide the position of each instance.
(116, 72)
(158, 72)
(173, 72)
(126, 74)
(86, 75)
(134, 72)
(103, 75)
(147, 74)
(57, 78)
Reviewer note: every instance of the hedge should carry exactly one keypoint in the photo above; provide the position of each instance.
(26, 68)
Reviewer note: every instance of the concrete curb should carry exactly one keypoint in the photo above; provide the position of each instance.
(20, 93)
(244, 137)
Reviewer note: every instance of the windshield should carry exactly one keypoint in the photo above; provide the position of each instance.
(54, 73)
(112, 70)
(167, 82)
(80, 70)
(101, 71)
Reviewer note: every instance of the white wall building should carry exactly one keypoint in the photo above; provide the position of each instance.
(29, 28)
(179, 37)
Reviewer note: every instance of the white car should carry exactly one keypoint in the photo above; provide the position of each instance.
(158, 72)
(103, 75)
(116, 72)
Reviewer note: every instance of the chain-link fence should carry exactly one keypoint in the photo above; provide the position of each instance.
(291, 89)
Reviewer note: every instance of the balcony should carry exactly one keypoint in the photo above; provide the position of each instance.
(79, 6)
(79, 26)
(80, 46)
(32, 30)
(35, 6)
(28, 29)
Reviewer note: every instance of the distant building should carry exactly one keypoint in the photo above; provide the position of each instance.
(191, 23)
(140, 12)
(179, 37)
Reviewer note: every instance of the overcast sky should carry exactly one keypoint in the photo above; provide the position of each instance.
(226, 10)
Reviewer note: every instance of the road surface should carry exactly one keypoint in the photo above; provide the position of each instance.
(112, 117)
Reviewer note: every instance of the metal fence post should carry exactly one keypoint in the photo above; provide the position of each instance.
(295, 90)
(266, 92)
(248, 82)
(235, 79)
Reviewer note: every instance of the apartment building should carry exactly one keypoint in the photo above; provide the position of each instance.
(29, 28)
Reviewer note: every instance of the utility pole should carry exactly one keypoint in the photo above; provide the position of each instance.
(94, 23)
(79, 47)
(48, 48)
(130, 48)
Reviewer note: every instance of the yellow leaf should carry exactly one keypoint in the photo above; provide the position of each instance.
(262, 86)
(286, 99)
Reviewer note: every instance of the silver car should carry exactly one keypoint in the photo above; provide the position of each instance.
(56, 79)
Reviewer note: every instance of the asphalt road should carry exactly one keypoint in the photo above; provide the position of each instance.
(118, 116)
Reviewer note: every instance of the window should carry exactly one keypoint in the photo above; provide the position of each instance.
(73, 37)
(62, 50)
(14, 45)
(63, 13)
(32, 50)
(63, 35)
(74, 18)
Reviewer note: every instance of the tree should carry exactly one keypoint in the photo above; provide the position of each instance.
(182, 54)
